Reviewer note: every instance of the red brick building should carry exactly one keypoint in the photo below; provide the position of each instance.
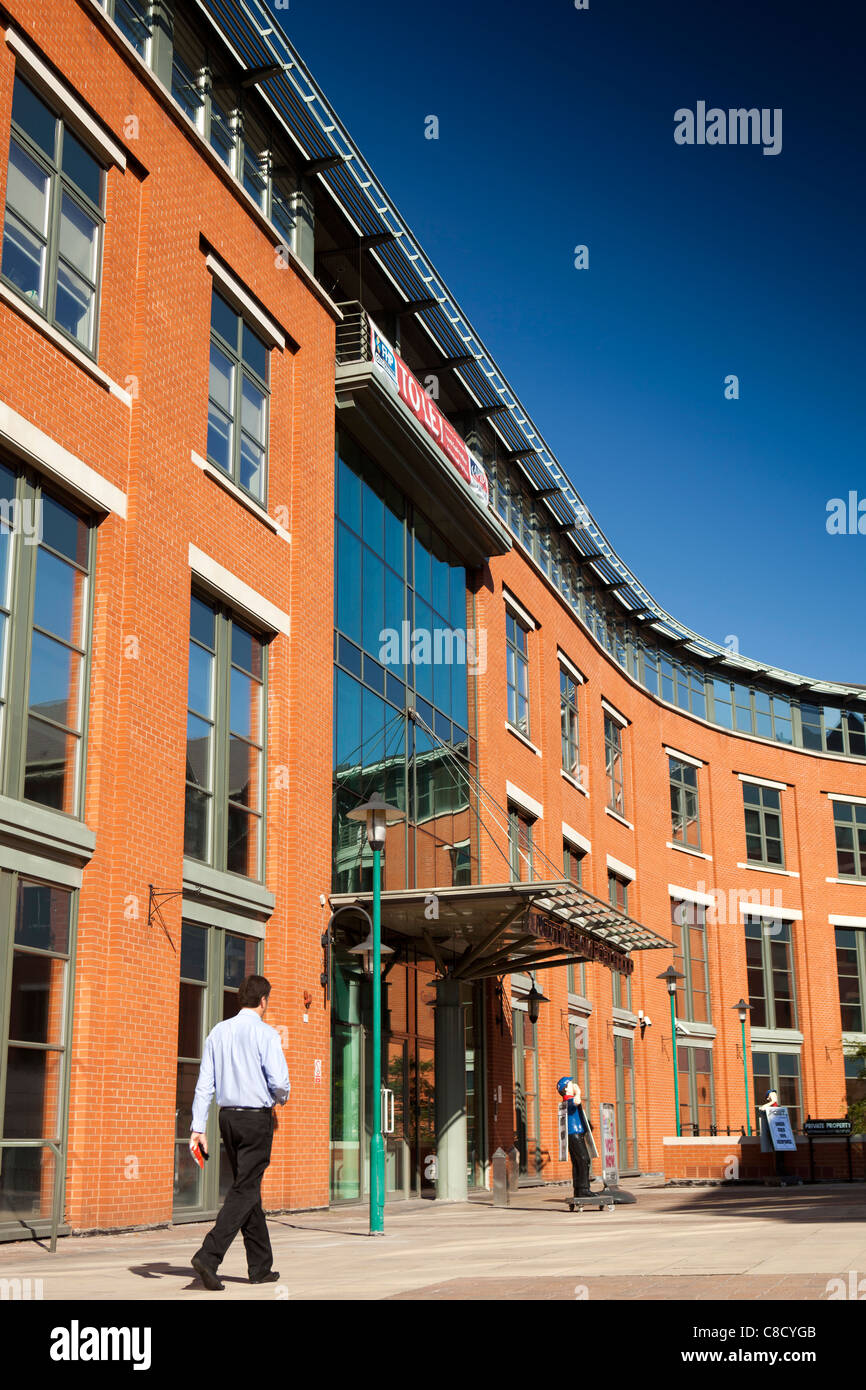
(213, 584)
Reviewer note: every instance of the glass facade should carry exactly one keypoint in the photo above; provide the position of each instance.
(401, 619)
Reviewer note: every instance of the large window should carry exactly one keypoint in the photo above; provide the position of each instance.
(520, 845)
(613, 765)
(849, 820)
(52, 238)
(779, 1072)
(237, 431)
(689, 929)
(517, 672)
(763, 810)
(617, 892)
(770, 969)
(626, 1113)
(213, 962)
(685, 822)
(695, 1076)
(851, 971)
(572, 870)
(570, 726)
(45, 561)
(225, 737)
(35, 956)
(526, 1092)
(133, 18)
(578, 1036)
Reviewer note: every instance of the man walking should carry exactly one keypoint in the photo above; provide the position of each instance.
(243, 1063)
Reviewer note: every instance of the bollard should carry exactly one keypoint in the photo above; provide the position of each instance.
(501, 1191)
(513, 1171)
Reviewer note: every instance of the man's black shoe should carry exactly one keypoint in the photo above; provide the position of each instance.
(270, 1278)
(206, 1275)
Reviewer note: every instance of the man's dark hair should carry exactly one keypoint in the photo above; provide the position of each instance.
(253, 989)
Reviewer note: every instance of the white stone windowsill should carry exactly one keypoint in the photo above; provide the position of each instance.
(20, 305)
(615, 815)
(239, 495)
(687, 849)
(765, 869)
(523, 739)
(574, 782)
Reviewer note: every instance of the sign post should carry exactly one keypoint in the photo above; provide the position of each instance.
(609, 1159)
(828, 1129)
(562, 1115)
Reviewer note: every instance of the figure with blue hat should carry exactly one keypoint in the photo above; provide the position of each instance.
(579, 1137)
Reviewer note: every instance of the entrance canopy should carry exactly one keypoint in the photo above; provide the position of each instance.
(475, 932)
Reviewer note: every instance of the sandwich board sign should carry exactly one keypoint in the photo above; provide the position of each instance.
(777, 1122)
(562, 1109)
(609, 1164)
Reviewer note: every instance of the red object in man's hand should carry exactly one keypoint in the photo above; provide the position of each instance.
(198, 1153)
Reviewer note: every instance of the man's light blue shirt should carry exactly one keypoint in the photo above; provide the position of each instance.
(243, 1064)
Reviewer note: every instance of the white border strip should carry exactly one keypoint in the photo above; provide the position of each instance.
(624, 870)
(683, 757)
(48, 457)
(842, 796)
(690, 895)
(574, 838)
(517, 608)
(763, 782)
(72, 108)
(836, 921)
(237, 592)
(244, 303)
(620, 719)
(781, 914)
(525, 802)
(569, 666)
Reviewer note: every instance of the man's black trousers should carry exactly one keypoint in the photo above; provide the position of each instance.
(580, 1165)
(247, 1136)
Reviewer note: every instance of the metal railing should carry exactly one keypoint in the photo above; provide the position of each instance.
(353, 335)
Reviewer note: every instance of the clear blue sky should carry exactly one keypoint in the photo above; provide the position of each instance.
(556, 129)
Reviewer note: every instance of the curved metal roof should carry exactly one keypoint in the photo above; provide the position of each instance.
(258, 41)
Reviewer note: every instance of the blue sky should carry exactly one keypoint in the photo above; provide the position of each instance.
(556, 129)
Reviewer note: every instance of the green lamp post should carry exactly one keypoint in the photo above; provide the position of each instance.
(670, 977)
(376, 815)
(744, 1008)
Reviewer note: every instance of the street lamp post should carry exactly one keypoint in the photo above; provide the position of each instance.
(670, 977)
(375, 815)
(744, 1008)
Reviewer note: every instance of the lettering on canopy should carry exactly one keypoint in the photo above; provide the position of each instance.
(580, 942)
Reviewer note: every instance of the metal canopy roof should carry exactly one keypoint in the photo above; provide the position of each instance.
(501, 928)
(254, 33)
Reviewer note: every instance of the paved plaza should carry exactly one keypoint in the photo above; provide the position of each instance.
(693, 1243)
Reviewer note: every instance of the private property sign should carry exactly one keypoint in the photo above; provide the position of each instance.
(428, 414)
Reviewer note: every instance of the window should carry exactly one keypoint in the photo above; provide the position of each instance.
(237, 434)
(851, 971)
(520, 845)
(617, 892)
(763, 808)
(254, 164)
(613, 765)
(527, 1127)
(223, 125)
(572, 870)
(44, 637)
(626, 1115)
(779, 1072)
(570, 727)
(52, 239)
(685, 823)
(855, 1080)
(770, 969)
(213, 962)
(689, 922)
(695, 1076)
(224, 796)
(133, 19)
(579, 1060)
(517, 669)
(572, 862)
(36, 931)
(187, 71)
(849, 820)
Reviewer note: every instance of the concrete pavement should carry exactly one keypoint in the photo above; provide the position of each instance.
(675, 1243)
